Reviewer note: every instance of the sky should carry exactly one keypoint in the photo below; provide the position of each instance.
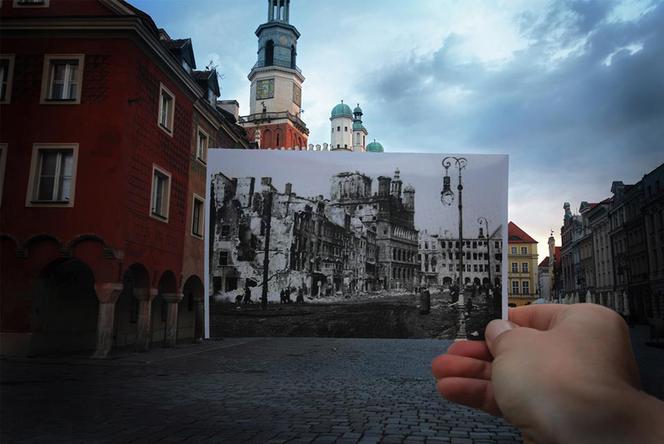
(484, 181)
(571, 90)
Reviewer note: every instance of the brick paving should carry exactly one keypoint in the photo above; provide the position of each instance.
(277, 390)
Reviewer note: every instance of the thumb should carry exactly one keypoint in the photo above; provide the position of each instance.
(493, 330)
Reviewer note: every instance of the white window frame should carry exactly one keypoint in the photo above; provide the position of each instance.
(525, 285)
(167, 129)
(46, 79)
(10, 77)
(159, 217)
(514, 250)
(201, 221)
(37, 148)
(525, 268)
(200, 131)
(515, 267)
(17, 4)
(515, 290)
(524, 251)
(3, 165)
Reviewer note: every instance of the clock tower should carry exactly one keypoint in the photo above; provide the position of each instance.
(275, 102)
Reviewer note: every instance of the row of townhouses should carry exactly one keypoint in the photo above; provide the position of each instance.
(352, 242)
(613, 251)
(106, 122)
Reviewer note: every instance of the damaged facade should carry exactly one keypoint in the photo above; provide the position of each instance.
(354, 242)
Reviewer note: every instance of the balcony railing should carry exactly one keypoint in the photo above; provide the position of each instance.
(266, 117)
(276, 63)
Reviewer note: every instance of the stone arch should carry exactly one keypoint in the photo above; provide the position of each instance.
(167, 286)
(477, 282)
(65, 308)
(190, 318)
(135, 277)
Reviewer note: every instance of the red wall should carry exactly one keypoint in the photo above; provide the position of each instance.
(119, 140)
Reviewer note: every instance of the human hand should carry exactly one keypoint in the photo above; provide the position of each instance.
(560, 373)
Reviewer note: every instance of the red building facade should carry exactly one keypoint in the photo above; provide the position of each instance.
(103, 178)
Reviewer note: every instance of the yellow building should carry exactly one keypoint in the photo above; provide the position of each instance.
(521, 266)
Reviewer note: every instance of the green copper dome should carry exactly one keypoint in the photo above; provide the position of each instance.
(357, 109)
(342, 110)
(375, 147)
(358, 126)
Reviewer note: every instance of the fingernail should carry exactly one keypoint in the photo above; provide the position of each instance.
(496, 328)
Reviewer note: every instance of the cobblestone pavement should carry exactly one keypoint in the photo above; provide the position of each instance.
(295, 390)
(254, 390)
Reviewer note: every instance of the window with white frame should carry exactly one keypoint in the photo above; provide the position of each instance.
(62, 79)
(166, 109)
(6, 77)
(515, 287)
(513, 250)
(524, 251)
(524, 267)
(3, 163)
(52, 175)
(515, 267)
(525, 286)
(31, 3)
(161, 190)
(202, 142)
(197, 216)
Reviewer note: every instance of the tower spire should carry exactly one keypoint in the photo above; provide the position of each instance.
(278, 10)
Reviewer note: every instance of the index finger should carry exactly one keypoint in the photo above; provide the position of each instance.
(539, 317)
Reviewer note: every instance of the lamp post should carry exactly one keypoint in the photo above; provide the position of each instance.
(447, 198)
(481, 220)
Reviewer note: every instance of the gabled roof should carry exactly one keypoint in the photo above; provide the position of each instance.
(207, 80)
(545, 262)
(516, 235)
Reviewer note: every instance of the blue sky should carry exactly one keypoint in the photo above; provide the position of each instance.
(572, 90)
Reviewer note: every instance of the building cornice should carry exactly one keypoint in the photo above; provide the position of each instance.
(265, 69)
(104, 24)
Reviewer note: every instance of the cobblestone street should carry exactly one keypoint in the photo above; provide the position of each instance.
(249, 390)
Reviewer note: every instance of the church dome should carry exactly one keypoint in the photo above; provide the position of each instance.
(375, 147)
(342, 110)
(357, 109)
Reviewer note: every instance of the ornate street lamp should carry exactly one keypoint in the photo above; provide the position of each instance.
(482, 220)
(447, 198)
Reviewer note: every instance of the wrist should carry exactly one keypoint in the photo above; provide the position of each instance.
(616, 415)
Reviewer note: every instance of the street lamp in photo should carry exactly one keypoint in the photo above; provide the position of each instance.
(447, 198)
(482, 220)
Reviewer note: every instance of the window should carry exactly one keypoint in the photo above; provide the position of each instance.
(62, 79)
(515, 287)
(161, 190)
(515, 267)
(197, 216)
(497, 268)
(6, 77)
(225, 231)
(345, 128)
(202, 142)
(52, 175)
(223, 258)
(166, 109)
(513, 250)
(31, 3)
(338, 129)
(526, 287)
(3, 163)
(524, 251)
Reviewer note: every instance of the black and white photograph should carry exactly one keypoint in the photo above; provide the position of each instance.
(349, 244)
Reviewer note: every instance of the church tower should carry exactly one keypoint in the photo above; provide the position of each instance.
(275, 103)
(360, 133)
(341, 121)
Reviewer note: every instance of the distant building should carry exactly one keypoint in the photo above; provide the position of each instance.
(522, 266)
(439, 259)
(548, 272)
(653, 213)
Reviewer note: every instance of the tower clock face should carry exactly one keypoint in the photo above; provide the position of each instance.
(265, 89)
(297, 94)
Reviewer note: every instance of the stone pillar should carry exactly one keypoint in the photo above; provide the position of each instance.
(172, 299)
(199, 319)
(107, 294)
(145, 297)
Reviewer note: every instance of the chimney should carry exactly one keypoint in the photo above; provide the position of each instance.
(266, 181)
(288, 189)
(231, 106)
